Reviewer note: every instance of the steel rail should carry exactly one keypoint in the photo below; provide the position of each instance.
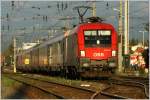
(107, 94)
(95, 93)
(89, 90)
(142, 85)
(110, 94)
(102, 92)
(58, 96)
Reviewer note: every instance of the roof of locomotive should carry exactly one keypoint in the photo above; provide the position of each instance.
(60, 35)
(96, 24)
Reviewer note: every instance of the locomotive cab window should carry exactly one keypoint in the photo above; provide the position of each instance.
(97, 38)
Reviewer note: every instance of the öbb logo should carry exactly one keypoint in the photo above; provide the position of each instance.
(98, 54)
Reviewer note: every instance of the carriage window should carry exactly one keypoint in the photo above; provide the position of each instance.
(98, 38)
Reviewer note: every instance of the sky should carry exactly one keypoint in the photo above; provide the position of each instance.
(24, 19)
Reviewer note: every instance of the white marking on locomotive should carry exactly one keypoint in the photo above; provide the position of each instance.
(98, 54)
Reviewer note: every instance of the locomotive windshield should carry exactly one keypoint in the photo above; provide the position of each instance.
(97, 38)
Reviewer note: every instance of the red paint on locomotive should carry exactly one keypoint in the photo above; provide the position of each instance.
(96, 53)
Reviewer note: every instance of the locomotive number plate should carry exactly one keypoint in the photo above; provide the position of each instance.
(98, 54)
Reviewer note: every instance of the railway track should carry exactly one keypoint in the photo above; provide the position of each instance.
(126, 89)
(62, 91)
(137, 82)
(133, 78)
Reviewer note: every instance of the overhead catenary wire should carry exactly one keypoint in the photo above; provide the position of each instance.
(48, 6)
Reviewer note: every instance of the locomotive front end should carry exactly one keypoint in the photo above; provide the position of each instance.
(98, 47)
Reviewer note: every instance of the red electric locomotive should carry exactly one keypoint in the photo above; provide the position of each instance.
(96, 49)
(90, 49)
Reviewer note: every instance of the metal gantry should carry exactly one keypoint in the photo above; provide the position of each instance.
(126, 27)
(14, 64)
(143, 36)
(120, 44)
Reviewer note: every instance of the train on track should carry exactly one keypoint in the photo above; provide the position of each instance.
(88, 50)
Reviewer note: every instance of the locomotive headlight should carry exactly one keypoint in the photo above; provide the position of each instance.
(82, 53)
(113, 53)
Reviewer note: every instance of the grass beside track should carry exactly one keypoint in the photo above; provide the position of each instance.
(9, 87)
(8, 82)
(92, 85)
(12, 89)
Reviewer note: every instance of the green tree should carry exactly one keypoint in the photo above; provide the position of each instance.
(133, 42)
(8, 53)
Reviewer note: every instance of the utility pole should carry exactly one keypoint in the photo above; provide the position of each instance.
(126, 28)
(93, 9)
(143, 36)
(14, 40)
(120, 43)
(128, 38)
